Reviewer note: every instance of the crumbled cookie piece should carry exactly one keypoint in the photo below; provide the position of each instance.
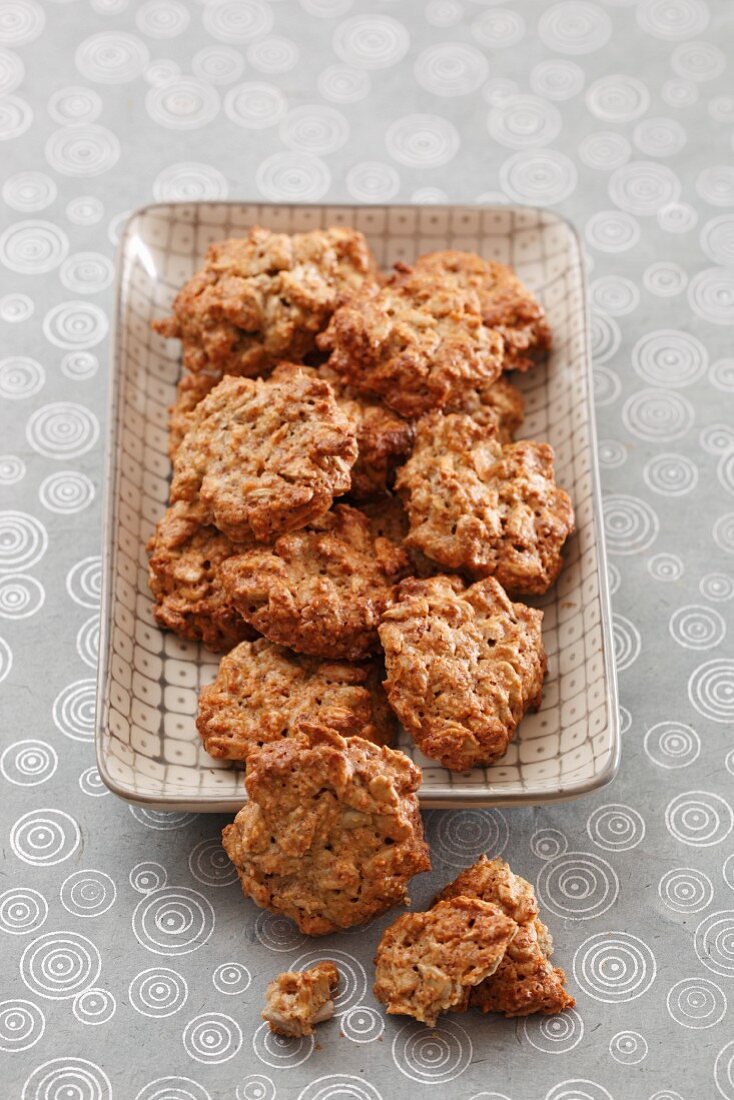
(525, 980)
(265, 297)
(418, 343)
(463, 667)
(506, 303)
(331, 834)
(321, 590)
(265, 457)
(190, 391)
(483, 508)
(297, 1000)
(186, 555)
(500, 405)
(263, 691)
(427, 963)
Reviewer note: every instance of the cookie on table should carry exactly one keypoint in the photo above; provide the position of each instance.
(428, 963)
(417, 344)
(265, 457)
(262, 692)
(499, 405)
(265, 297)
(331, 833)
(483, 508)
(506, 304)
(320, 590)
(525, 981)
(186, 554)
(297, 1000)
(463, 664)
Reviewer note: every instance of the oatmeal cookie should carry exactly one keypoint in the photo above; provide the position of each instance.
(500, 405)
(265, 457)
(463, 667)
(484, 508)
(263, 691)
(525, 981)
(320, 590)
(506, 303)
(186, 555)
(331, 834)
(427, 963)
(190, 391)
(265, 297)
(417, 344)
(297, 1000)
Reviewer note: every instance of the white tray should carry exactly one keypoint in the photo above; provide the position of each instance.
(148, 749)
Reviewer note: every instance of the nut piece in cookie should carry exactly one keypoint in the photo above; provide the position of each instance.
(185, 559)
(297, 1000)
(321, 590)
(265, 457)
(263, 691)
(463, 667)
(500, 405)
(505, 302)
(265, 297)
(427, 963)
(331, 834)
(417, 344)
(483, 508)
(525, 980)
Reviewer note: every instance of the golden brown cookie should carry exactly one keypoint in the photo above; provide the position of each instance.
(500, 405)
(263, 691)
(190, 391)
(463, 667)
(525, 980)
(483, 508)
(320, 590)
(417, 344)
(265, 297)
(331, 834)
(185, 558)
(297, 1000)
(427, 963)
(265, 457)
(506, 303)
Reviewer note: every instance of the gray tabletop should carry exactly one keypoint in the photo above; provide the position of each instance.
(132, 967)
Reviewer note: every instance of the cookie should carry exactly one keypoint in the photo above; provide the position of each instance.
(297, 1000)
(190, 392)
(499, 405)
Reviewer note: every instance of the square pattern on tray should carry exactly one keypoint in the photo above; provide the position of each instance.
(148, 747)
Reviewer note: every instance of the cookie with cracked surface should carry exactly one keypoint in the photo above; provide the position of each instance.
(186, 555)
(190, 392)
(483, 508)
(427, 963)
(265, 297)
(463, 664)
(525, 981)
(506, 304)
(331, 834)
(320, 590)
(297, 1000)
(263, 691)
(500, 405)
(418, 344)
(265, 457)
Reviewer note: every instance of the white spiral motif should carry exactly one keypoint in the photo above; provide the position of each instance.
(614, 967)
(84, 210)
(162, 820)
(33, 247)
(461, 836)
(711, 690)
(218, 64)
(625, 720)
(91, 784)
(697, 627)
(717, 439)
(87, 641)
(339, 1086)
(614, 295)
(45, 837)
(627, 642)
(86, 273)
(670, 357)
(231, 978)
(84, 581)
(20, 378)
(612, 231)
(658, 415)
(74, 710)
(22, 1023)
(443, 13)
(158, 992)
(524, 121)
(210, 864)
(607, 386)
(255, 105)
(66, 492)
(16, 308)
(314, 129)
(677, 217)
(183, 103)
(665, 279)
(696, 1003)
(273, 55)
(659, 137)
(714, 942)
(432, 1056)
(12, 71)
(618, 98)
(362, 1024)
(451, 69)
(237, 20)
(578, 1088)
(58, 965)
(88, 893)
(698, 61)
(548, 843)
(344, 84)
(717, 587)
(352, 976)
(173, 1088)
(79, 365)
(554, 1034)
(112, 58)
(711, 295)
(371, 41)
(614, 578)
(606, 337)
(148, 876)
(721, 107)
(544, 177)
(671, 475)
(686, 890)
(94, 1006)
(62, 430)
(498, 90)
(277, 933)
(612, 454)
(422, 141)
(75, 325)
(724, 1071)
(670, 19)
(22, 911)
(574, 27)
(557, 79)
(672, 745)
(615, 827)
(29, 762)
(16, 117)
(715, 185)
(279, 1052)
(173, 921)
(190, 182)
(628, 1047)
(372, 181)
(6, 659)
(498, 29)
(728, 868)
(69, 105)
(162, 18)
(578, 885)
(723, 532)
(699, 818)
(630, 524)
(293, 177)
(643, 187)
(721, 374)
(20, 22)
(76, 1078)
(83, 150)
(256, 1086)
(604, 150)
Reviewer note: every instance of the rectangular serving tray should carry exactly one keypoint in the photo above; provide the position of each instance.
(148, 750)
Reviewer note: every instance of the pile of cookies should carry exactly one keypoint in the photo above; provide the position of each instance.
(352, 525)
